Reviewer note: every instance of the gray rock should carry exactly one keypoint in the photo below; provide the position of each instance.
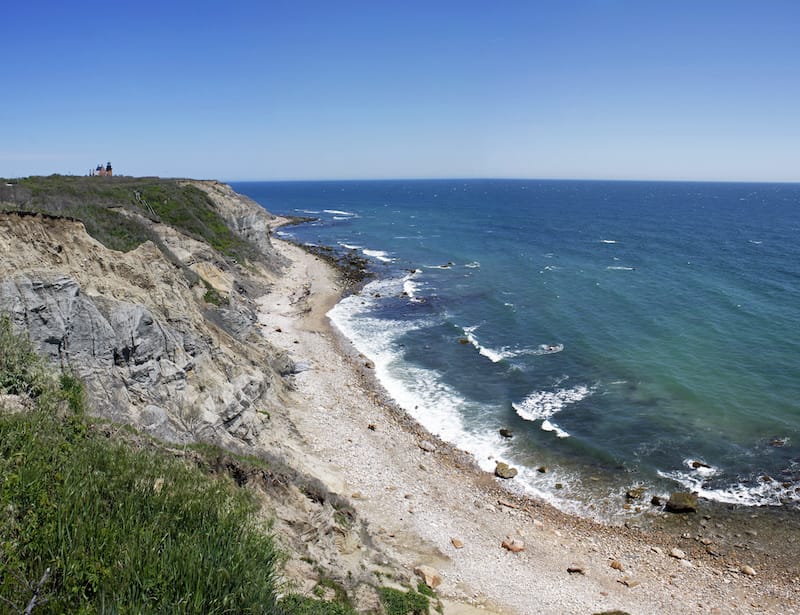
(682, 502)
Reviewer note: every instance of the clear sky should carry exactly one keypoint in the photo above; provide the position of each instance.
(628, 89)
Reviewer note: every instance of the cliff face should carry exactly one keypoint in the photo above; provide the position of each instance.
(151, 346)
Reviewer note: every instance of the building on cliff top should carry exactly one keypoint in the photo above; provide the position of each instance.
(102, 171)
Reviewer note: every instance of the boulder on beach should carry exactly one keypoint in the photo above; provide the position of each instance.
(503, 470)
(429, 575)
(682, 502)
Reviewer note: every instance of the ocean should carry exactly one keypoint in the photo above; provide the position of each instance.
(627, 333)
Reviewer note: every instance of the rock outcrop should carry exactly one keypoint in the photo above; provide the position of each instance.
(150, 349)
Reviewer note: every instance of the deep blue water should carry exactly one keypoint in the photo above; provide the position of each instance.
(624, 330)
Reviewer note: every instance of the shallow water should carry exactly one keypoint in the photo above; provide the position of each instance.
(627, 332)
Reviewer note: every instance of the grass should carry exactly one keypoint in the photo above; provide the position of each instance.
(119, 529)
(99, 203)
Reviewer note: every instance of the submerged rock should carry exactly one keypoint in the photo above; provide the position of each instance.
(635, 493)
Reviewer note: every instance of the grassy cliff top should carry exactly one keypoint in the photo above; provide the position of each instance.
(102, 203)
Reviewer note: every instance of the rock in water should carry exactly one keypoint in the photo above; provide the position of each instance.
(506, 432)
(682, 502)
(503, 470)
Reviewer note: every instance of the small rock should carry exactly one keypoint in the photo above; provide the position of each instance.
(356, 495)
(457, 543)
(506, 503)
(657, 550)
(542, 469)
(429, 575)
(513, 544)
(503, 470)
(677, 553)
(369, 365)
(427, 446)
(682, 501)
(371, 427)
(628, 582)
(616, 565)
(657, 500)
(748, 570)
(635, 493)
(463, 340)
(506, 432)
(700, 464)
(686, 563)
(576, 568)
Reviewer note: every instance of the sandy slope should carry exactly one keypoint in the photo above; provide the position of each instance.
(416, 500)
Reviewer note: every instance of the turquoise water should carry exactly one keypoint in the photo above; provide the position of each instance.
(627, 332)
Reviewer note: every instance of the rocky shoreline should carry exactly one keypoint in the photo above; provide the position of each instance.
(429, 504)
(191, 345)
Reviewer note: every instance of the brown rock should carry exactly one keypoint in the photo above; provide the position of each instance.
(677, 553)
(513, 544)
(503, 470)
(576, 568)
(457, 543)
(429, 575)
(506, 432)
(616, 565)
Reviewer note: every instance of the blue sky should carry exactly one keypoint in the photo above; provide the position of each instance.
(679, 89)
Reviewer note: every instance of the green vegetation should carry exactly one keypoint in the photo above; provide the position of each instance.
(397, 602)
(213, 296)
(101, 204)
(91, 525)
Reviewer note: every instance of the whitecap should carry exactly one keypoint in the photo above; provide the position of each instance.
(540, 405)
(378, 254)
(338, 212)
(620, 268)
(308, 211)
(608, 241)
(473, 265)
(550, 426)
(348, 246)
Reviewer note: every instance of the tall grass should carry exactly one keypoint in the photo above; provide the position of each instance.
(120, 530)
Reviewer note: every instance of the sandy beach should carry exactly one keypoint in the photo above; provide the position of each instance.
(427, 503)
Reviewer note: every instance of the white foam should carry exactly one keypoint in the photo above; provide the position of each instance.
(378, 254)
(348, 246)
(419, 392)
(495, 356)
(541, 405)
(308, 211)
(748, 493)
(410, 287)
(473, 265)
(342, 218)
(338, 212)
(619, 268)
(550, 426)
(608, 241)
